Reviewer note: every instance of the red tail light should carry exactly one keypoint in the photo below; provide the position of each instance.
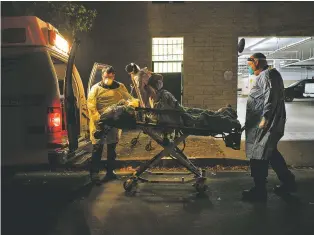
(54, 120)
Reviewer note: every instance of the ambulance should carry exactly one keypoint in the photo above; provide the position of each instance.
(44, 117)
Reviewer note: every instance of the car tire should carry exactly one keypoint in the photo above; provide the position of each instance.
(289, 99)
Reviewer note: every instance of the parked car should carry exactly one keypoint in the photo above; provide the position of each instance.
(296, 90)
(309, 90)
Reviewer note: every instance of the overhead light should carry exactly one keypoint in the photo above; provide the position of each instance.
(291, 45)
(252, 42)
(243, 56)
(273, 39)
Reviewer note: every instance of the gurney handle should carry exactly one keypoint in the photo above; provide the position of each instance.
(158, 110)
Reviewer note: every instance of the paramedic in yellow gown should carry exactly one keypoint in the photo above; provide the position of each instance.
(102, 95)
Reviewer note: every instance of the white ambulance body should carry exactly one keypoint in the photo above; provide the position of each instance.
(34, 58)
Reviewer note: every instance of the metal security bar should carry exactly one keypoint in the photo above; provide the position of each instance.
(167, 55)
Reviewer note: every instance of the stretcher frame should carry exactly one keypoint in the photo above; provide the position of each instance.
(170, 148)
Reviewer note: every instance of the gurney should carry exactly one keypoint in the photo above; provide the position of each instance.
(168, 135)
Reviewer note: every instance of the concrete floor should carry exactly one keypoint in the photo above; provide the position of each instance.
(300, 118)
(51, 204)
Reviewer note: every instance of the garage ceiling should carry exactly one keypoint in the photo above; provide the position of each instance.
(293, 52)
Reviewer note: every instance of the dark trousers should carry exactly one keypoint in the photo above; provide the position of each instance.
(259, 169)
(96, 157)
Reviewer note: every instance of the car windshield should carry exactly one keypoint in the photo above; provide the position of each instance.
(295, 83)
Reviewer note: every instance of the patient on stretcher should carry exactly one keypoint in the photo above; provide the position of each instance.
(124, 115)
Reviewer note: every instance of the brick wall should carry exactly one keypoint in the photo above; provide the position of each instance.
(210, 31)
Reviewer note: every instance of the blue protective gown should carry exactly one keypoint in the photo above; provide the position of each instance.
(266, 99)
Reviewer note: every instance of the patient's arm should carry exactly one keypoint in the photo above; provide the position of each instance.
(165, 100)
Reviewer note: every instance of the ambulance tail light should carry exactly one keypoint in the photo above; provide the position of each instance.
(54, 120)
(59, 42)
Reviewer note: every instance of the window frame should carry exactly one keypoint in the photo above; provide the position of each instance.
(167, 54)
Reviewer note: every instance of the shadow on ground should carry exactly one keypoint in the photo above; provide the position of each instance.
(70, 206)
(32, 205)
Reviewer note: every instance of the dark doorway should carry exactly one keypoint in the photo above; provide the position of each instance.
(173, 84)
(167, 59)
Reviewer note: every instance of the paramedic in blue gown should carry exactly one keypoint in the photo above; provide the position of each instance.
(264, 127)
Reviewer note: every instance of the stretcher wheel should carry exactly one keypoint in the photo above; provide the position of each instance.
(134, 142)
(201, 187)
(129, 184)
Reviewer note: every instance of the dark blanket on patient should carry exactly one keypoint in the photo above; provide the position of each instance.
(225, 119)
(124, 117)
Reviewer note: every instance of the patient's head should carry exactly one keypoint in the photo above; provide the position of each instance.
(156, 81)
(146, 81)
(154, 84)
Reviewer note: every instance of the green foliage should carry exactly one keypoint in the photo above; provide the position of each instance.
(68, 17)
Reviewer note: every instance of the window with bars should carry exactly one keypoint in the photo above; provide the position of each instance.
(167, 55)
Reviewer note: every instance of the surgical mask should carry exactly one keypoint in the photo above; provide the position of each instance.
(251, 71)
(108, 81)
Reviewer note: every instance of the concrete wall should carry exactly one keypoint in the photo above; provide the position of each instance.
(292, 75)
(210, 29)
(289, 75)
(296, 74)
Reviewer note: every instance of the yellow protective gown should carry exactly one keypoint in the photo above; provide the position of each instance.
(99, 99)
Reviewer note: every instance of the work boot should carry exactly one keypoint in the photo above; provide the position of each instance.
(288, 185)
(285, 188)
(256, 194)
